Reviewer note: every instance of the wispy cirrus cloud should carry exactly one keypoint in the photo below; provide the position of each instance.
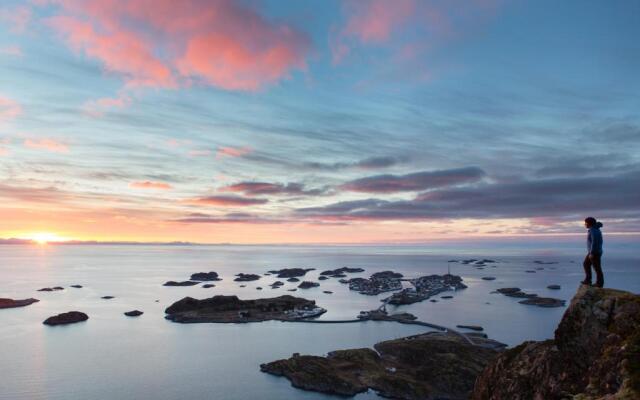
(9, 108)
(414, 182)
(230, 218)
(150, 185)
(51, 145)
(17, 17)
(374, 162)
(227, 201)
(12, 50)
(229, 151)
(268, 188)
(98, 107)
(394, 24)
(168, 44)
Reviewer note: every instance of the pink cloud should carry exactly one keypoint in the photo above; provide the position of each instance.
(51, 145)
(150, 185)
(409, 27)
(12, 50)
(165, 43)
(227, 201)
(97, 107)
(199, 153)
(373, 21)
(17, 17)
(3, 149)
(9, 109)
(233, 151)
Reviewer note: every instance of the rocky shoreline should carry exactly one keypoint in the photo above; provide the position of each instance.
(427, 366)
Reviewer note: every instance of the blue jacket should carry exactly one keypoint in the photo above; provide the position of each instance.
(594, 239)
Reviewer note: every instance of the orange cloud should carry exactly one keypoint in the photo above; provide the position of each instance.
(9, 109)
(233, 151)
(165, 43)
(51, 145)
(150, 185)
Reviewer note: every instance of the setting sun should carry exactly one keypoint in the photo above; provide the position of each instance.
(45, 237)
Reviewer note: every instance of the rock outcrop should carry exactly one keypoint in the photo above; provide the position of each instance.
(11, 303)
(180, 283)
(595, 355)
(70, 317)
(205, 276)
(427, 366)
(291, 272)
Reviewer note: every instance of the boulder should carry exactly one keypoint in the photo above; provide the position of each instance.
(70, 317)
(308, 285)
(134, 313)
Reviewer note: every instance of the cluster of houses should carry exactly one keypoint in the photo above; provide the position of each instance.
(304, 312)
(375, 285)
(426, 287)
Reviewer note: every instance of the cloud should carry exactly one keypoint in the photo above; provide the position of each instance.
(373, 21)
(9, 109)
(97, 108)
(227, 201)
(375, 162)
(12, 50)
(266, 188)
(409, 28)
(231, 218)
(168, 44)
(608, 197)
(150, 185)
(228, 151)
(17, 17)
(414, 182)
(51, 145)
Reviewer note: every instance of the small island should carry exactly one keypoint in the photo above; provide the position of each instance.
(205, 276)
(291, 272)
(242, 277)
(230, 309)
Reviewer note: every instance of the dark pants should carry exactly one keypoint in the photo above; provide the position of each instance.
(596, 262)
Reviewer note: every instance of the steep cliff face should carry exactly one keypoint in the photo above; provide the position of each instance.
(595, 355)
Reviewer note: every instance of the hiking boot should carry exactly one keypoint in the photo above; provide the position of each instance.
(585, 282)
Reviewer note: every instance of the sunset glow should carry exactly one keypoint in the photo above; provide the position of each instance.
(45, 237)
(337, 121)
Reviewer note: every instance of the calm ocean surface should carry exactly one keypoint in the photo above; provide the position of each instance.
(115, 357)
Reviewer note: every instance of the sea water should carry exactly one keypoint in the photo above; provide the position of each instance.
(112, 356)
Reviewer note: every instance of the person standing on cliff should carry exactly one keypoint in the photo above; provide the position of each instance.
(594, 249)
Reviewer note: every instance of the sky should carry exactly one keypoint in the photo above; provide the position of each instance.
(320, 121)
